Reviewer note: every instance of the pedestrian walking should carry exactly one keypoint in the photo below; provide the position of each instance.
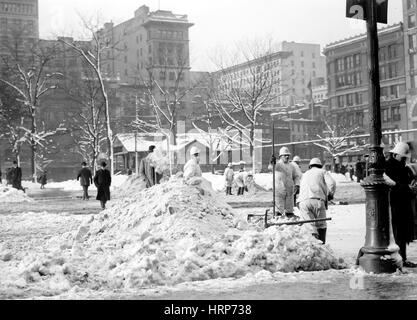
(360, 170)
(317, 187)
(43, 179)
(351, 171)
(16, 176)
(229, 177)
(296, 163)
(400, 199)
(147, 169)
(192, 167)
(86, 179)
(102, 180)
(287, 178)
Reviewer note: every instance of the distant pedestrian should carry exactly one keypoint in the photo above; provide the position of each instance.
(86, 179)
(147, 171)
(9, 176)
(0, 175)
(102, 180)
(242, 166)
(16, 176)
(401, 199)
(243, 179)
(42, 179)
(351, 171)
(360, 170)
(229, 177)
(316, 189)
(192, 167)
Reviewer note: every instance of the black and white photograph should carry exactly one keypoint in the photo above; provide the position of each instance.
(195, 150)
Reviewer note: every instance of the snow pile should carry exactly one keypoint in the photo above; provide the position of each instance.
(9, 194)
(169, 234)
(339, 178)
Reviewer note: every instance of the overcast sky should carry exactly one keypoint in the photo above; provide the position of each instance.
(221, 22)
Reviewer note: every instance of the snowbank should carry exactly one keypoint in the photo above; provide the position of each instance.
(169, 234)
(9, 194)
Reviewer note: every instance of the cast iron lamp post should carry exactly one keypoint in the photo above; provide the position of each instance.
(379, 254)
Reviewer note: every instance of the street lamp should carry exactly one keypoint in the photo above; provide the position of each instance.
(379, 254)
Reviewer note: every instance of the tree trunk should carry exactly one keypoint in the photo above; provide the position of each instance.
(33, 148)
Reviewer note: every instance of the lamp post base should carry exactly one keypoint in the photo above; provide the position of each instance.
(380, 253)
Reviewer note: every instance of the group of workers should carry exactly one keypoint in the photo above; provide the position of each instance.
(312, 190)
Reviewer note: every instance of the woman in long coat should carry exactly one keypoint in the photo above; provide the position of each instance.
(400, 199)
(102, 181)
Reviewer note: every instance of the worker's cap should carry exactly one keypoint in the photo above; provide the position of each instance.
(152, 148)
(402, 149)
(316, 161)
(194, 151)
(103, 164)
(284, 151)
(296, 159)
(250, 174)
(230, 165)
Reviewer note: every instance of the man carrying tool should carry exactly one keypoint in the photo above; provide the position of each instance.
(316, 188)
(287, 178)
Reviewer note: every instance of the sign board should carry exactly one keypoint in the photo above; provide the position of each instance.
(356, 9)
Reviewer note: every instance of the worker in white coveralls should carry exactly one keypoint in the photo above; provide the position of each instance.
(316, 189)
(286, 179)
(296, 163)
(242, 180)
(228, 177)
(192, 167)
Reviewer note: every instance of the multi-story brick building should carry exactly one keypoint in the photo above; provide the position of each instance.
(304, 64)
(410, 44)
(19, 26)
(348, 81)
(152, 47)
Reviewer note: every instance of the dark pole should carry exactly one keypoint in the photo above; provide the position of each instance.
(273, 169)
(377, 255)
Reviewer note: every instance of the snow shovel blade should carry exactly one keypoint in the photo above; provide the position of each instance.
(294, 223)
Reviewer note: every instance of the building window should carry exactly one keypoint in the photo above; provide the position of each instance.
(411, 20)
(411, 4)
(302, 53)
(314, 74)
(392, 51)
(314, 65)
(162, 75)
(125, 59)
(172, 76)
(357, 60)
(395, 111)
(302, 64)
(412, 65)
(349, 62)
(340, 64)
(314, 55)
(412, 41)
(385, 115)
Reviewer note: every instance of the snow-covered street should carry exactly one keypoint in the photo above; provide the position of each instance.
(175, 243)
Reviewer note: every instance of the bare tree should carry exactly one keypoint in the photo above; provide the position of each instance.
(87, 126)
(30, 80)
(335, 141)
(245, 89)
(167, 90)
(93, 55)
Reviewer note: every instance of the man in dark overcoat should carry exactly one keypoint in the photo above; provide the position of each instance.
(86, 179)
(102, 181)
(400, 199)
(147, 170)
(16, 176)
